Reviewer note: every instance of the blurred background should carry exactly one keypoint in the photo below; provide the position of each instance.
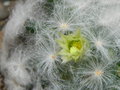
(6, 7)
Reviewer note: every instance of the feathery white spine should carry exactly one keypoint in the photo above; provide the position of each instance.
(96, 74)
(17, 68)
(47, 57)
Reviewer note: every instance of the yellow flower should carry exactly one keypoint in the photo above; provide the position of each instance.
(73, 46)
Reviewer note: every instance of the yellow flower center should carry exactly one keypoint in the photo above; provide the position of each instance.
(74, 50)
(75, 46)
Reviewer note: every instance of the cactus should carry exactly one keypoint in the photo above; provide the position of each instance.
(62, 45)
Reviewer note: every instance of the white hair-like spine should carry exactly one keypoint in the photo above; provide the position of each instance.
(14, 56)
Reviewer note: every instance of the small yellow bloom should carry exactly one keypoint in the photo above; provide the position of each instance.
(73, 46)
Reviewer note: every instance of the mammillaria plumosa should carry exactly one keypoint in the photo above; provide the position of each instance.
(62, 45)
